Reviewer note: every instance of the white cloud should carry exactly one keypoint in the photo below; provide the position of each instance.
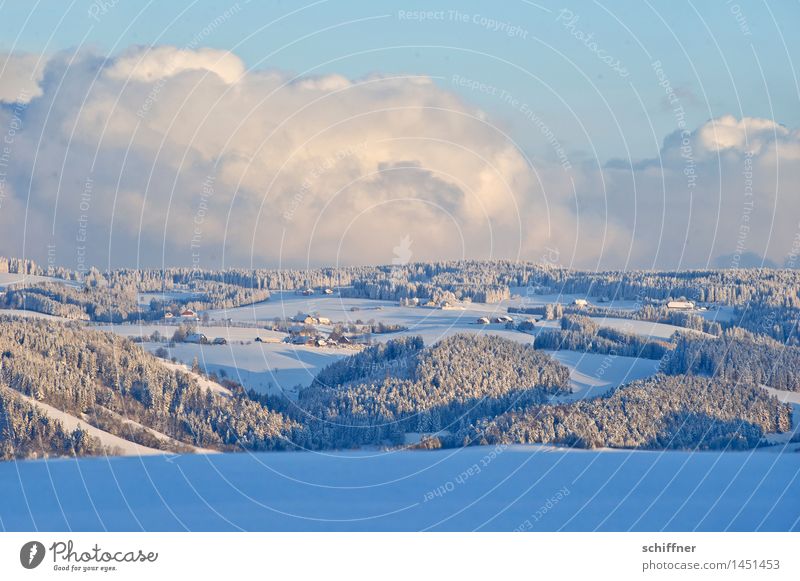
(747, 134)
(151, 64)
(184, 155)
(19, 77)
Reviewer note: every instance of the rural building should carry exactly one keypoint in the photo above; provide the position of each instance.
(188, 314)
(483, 321)
(323, 320)
(681, 305)
(328, 291)
(580, 303)
(196, 338)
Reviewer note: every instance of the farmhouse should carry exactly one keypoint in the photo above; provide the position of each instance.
(328, 291)
(482, 321)
(580, 303)
(196, 338)
(188, 314)
(306, 319)
(681, 305)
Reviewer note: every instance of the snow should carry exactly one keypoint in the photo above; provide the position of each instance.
(430, 322)
(720, 313)
(264, 367)
(643, 328)
(521, 298)
(9, 278)
(211, 331)
(279, 367)
(30, 315)
(70, 422)
(477, 488)
(593, 375)
(176, 295)
(271, 367)
(783, 439)
(204, 382)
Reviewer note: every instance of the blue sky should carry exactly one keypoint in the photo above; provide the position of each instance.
(536, 126)
(723, 57)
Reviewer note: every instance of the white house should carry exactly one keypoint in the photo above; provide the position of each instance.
(681, 305)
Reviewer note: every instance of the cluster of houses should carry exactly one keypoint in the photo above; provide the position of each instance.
(310, 319)
(184, 315)
(329, 341)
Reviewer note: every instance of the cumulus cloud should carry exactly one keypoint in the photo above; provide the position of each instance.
(19, 77)
(149, 65)
(183, 156)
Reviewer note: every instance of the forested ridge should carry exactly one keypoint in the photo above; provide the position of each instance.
(402, 387)
(738, 356)
(26, 432)
(106, 379)
(688, 412)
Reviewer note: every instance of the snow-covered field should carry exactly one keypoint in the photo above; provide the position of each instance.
(9, 278)
(281, 367)
(264, 367)
(30, 314)
(432, 324)
(146, 297)
(643, 328)
(478, 488)
(593, 375)
(520, 297)
(230, 334)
